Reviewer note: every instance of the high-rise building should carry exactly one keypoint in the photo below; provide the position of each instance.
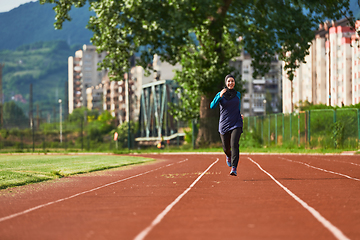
(115, 99)
(75, 85)
(325, 76)
(339, 65)
(262, 93)
(83, 73)
(94, 97)
(355, 42)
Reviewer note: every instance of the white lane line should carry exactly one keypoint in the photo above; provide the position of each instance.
(78, 194)
(334, 230)
(159, 217)
(333, 160)
(317, 168)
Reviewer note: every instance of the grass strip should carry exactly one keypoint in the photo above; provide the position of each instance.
(17, 170)
(242, 150)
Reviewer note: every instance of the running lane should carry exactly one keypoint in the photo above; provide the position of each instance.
(97, 205)
(328, 184)
(191, 197)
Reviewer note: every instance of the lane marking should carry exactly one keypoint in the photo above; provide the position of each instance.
(333, 160)
(334, 230)
(317, 168)
(82, 193)
(159, 217)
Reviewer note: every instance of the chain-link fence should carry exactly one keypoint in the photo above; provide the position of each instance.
(70, 136)
(326, 128)
(73, 137)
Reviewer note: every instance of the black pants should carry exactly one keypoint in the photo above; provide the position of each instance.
(230, 143)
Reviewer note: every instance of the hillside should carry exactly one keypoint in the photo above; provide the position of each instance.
(44, 64)
(33, 22)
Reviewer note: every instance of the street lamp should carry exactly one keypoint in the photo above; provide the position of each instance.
(264, 101)
(60, 120)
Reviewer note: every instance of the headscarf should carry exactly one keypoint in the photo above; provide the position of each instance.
(230, 93)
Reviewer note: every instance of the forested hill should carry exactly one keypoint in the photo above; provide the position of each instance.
(33, 22)
(43, 64)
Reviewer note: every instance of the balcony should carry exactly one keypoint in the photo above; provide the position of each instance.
(258, 109)
(258, 81)
(246, 105)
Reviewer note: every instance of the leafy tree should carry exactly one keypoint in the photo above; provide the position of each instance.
(14, 116)
(107, 122)
(104, 124)
(203, 36)
(123, 130)
(79, 115)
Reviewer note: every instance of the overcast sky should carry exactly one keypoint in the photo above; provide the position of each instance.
(7, 5)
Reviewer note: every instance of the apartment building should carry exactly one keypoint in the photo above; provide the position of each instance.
(94, 96)
(262, 93)
(115, 99)
(339, 62)
(83, 73)
(355, 43)
(325, 76)
(309, 83)
(75, 85)
(302, 85)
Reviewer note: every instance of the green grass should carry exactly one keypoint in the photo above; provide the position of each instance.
(16, 170)
(272, 149)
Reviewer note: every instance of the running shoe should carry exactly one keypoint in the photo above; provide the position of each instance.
(233, 171)
(228, 161)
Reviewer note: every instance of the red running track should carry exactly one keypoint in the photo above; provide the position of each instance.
(183, 196)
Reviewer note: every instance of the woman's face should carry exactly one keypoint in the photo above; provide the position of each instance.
(230, 83)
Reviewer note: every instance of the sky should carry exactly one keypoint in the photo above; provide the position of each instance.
(7, 5)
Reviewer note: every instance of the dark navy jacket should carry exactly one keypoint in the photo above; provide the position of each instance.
(230, 117)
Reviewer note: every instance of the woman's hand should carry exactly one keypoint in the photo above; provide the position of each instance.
(222, 92)
(242, 116)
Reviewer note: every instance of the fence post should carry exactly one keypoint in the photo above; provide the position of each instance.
(269, 137)
(290, 126)
(22, 142)
(82, 136)
(309, 127)
(33, 135)
(249, 123)
(358, 121)
(299, 129)
(177, 136)
(334, 124)
(262, 129)
(275, 129)
(193, 133)
(283, 128)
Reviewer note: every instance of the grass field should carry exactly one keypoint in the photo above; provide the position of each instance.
(16, 170)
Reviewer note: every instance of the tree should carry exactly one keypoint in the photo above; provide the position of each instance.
(79, 114)
(14, 116)
(203, 36)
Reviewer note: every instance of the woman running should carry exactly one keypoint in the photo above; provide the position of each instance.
(230, 123)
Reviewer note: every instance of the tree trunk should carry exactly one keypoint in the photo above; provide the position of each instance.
(209, 123)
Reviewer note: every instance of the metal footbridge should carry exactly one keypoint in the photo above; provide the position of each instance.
(156, 121)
